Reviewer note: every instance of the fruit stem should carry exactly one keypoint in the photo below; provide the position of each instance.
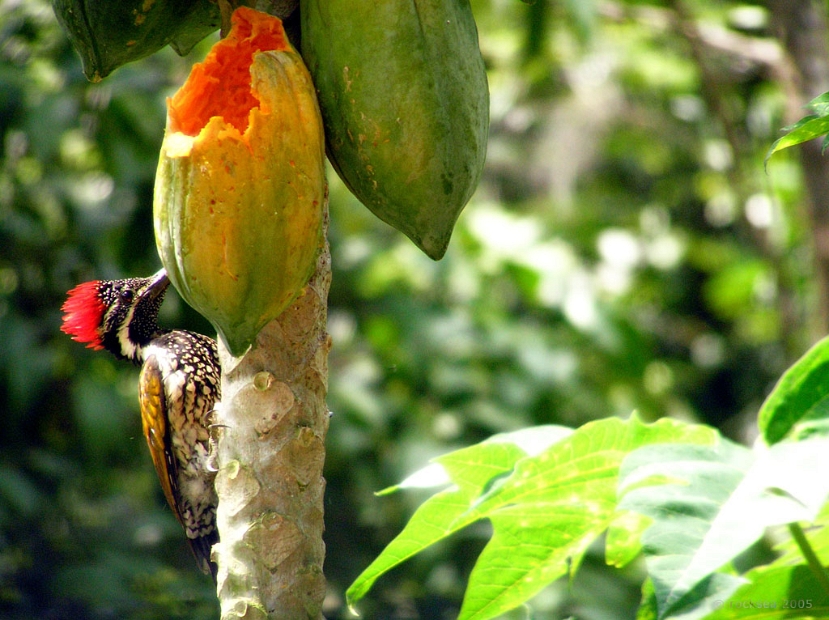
(226, 8)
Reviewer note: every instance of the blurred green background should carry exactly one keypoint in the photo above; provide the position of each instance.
(626, 250)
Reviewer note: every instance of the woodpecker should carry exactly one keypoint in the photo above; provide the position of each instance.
(179, 387)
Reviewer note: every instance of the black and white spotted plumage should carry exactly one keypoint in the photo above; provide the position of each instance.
(179, 388)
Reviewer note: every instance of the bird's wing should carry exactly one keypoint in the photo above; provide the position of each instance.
(154, 419)
(157, 432)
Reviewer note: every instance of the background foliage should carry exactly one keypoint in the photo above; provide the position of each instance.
(626, 251)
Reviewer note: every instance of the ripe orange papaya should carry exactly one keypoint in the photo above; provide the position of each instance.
(109, 33)
(404, 98)
(240, 186)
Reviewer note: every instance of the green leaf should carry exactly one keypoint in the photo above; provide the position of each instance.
(647, 608)
(469, 470)
(820, 105)
(789, 478)
(433, 520)
(548, 493)
(808, 128)
(792, 568)
(802, 393)
(552, 507)
(683, 512)
(818, 536)
(774, 592)
(622, 543)
(705, 596)
(721, 501)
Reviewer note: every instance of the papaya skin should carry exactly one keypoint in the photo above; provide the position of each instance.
(107, 34)
(240, 183)
(404, 97)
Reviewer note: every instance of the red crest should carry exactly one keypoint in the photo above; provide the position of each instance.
(84, 312)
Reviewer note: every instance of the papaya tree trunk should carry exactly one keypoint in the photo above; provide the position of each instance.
(270, 433)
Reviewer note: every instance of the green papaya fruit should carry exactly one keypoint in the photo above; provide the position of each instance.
(404, 98)
(109, 33)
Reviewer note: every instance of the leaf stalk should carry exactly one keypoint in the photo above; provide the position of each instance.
(808, 552)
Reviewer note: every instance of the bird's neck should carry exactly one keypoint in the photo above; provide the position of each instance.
(133, 346)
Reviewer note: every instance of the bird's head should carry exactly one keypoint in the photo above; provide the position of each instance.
(120, 316)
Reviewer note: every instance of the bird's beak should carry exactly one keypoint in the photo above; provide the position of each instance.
(158, 284)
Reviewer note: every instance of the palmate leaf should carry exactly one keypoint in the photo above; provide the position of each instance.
(717, 501)
(469, 471)
(706, 595)
(818, 536)
(682, 489)
(622, 542)
(553, 506)
(773, 593)
(786, 588)
(801, 395)
(545, 509)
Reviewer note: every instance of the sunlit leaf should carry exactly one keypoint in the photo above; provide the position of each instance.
(721, 501)
(785, 588)
(622, 543)
(820, 105)
(470, 470)
(553, 506)
(774, 593)
(802, 392)
(547, 499)
(818, 537)
(808, 128)
(647, 608)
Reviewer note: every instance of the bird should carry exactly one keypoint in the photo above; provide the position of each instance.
(179, 389)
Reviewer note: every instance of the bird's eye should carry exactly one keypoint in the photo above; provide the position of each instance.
(126, 295)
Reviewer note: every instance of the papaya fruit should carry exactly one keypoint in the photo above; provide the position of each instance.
(240, 186)
(109, 33)
(404, 98)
